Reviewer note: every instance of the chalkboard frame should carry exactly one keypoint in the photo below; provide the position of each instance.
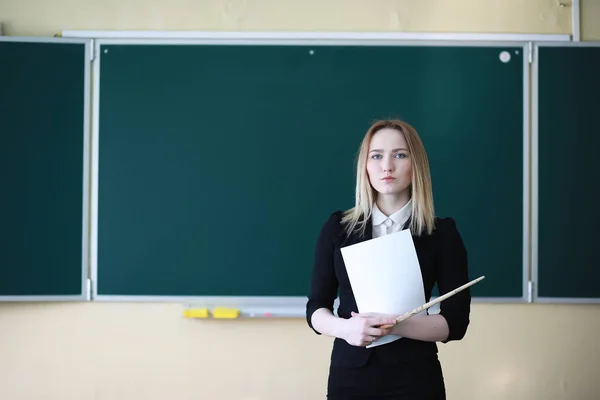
(85, 294)
(294, 305)
(535, 174)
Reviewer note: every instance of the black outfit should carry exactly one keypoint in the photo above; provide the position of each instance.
(405, 368)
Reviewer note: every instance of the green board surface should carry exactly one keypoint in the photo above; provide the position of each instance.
(42, 109)
(218, 164)
(569, 172)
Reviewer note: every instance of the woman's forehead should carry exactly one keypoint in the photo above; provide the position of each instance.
(387, 137)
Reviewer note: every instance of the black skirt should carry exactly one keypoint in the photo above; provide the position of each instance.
(420, 379)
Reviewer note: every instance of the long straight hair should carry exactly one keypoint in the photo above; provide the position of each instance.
(422, 213)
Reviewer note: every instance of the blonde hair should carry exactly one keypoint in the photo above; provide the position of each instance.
(422, 215)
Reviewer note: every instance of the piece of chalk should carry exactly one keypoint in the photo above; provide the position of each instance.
(196, 313)
(225, 313)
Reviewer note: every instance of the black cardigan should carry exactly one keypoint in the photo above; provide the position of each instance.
(443, 260)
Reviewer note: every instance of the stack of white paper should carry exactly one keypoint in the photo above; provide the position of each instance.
(385, 276)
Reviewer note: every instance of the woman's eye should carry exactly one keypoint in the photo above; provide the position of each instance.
(376, 156)
(400, 155)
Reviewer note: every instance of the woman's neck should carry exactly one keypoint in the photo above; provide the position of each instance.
(389, 204)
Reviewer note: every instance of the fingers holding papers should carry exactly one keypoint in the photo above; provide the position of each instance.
(365, 329)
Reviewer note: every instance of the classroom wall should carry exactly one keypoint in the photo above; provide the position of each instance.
(590, 20)
(148, 351)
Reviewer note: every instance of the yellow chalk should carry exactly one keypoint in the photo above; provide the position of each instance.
(225, 313)
(196, 313)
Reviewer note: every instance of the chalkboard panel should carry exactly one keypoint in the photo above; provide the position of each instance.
(43, 142)
(218, 164)
(568, 84)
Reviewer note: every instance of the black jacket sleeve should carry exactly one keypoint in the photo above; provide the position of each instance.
(323, 283)
(452, 272)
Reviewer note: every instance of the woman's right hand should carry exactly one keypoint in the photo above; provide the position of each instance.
(362, 330)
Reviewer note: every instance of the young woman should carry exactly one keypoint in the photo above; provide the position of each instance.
(393, 192)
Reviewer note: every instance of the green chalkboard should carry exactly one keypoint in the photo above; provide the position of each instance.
(218, 164)
(569, 172)
(43, 108)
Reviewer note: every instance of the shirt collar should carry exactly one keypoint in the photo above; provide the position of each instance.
(399, 217)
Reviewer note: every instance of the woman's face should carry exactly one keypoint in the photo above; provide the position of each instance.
(388, 164)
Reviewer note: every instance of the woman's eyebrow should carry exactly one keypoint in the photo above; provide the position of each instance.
(381, 151)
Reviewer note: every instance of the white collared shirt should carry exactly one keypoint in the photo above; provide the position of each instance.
(384, 225)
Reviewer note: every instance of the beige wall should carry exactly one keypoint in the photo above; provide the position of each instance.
(148, 351)
(590, 20)
(46, 17)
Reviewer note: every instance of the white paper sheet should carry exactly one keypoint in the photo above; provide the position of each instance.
(385, 276)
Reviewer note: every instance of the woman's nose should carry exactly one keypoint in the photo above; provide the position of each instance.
(388, 165)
